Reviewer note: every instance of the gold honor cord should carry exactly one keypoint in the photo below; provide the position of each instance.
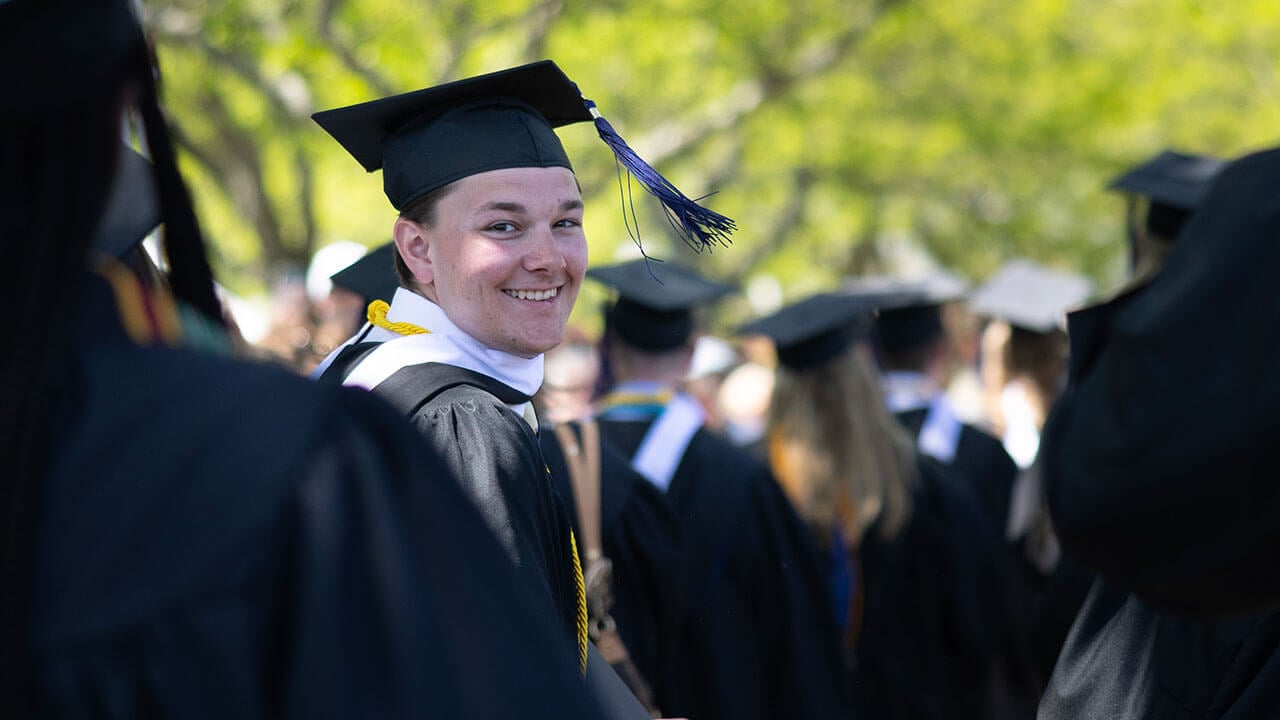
(378, 317)
(580, 589)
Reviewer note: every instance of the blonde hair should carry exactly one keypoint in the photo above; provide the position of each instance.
(841, 457)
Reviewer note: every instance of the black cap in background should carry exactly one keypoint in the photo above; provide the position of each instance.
(908, 312)
(814, 331)
(1175, 183)
(372, 277)
(654, 309)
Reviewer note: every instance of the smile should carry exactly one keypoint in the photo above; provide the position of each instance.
(533, 294)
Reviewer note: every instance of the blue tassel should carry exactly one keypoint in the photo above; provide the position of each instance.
(700, 228)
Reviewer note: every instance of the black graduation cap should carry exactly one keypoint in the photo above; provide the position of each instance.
(426, 139)
(133, 208)
(654, 309)
(1030, 296)
(908, 312)
(372, 277)
(812, 332)
(1174, 182)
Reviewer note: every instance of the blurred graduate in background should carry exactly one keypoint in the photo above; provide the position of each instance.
(913, 577)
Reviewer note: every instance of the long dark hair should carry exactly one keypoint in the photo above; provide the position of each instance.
(73, 69)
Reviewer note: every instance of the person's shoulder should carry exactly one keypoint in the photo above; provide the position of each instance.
(980, 442)
(178, 462)
(190, 413)
(719, 449)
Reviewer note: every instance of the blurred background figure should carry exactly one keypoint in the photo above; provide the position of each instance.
(291, 324)
(570, 373)
(743, 404)
(913, 577)
(713, 359)
(758, 638)
(1025, 358)
(1028, 360)
(336, 310)
(917, 359)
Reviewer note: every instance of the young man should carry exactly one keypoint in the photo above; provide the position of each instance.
(490, 253)
(759, 638)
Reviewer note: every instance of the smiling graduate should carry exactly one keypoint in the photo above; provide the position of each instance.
(490, 254)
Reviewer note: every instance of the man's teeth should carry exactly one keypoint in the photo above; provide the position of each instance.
(532, 294)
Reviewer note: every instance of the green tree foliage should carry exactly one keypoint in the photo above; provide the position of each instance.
(839, 133)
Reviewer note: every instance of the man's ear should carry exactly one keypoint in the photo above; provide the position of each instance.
(415, 249)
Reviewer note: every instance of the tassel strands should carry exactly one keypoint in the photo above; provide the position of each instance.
(700, 227)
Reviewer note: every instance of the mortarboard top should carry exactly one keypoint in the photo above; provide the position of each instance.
(908, 312)
(133, 209)
(1030, 296)
(373, 276)
(815, 330)
(654, 309)
(1175, 183)
(1172, 178)
(426, 139)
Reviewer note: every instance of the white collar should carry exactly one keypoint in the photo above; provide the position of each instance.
(904, 390)
(446, 344)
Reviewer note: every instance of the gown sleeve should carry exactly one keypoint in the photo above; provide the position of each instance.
(495, 455)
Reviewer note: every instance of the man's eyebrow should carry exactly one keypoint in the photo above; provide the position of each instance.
(515, 207)
(505, 206)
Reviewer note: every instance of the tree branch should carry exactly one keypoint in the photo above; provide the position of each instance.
(380, 85)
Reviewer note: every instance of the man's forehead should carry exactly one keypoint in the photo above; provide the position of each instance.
(527, 189)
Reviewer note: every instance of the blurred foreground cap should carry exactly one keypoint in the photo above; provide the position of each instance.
(133, 208)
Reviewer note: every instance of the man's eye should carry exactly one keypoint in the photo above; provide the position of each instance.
(568, 222)
(502, 227)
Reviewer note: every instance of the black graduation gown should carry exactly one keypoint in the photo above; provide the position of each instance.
(929, 632)
(1160, 464)
(759, 636)
(1030, 610)
(640, 536)
(219, 539)
(981, 460)
(495, 454)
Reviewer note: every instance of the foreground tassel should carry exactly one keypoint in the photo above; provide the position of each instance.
(700, 228)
